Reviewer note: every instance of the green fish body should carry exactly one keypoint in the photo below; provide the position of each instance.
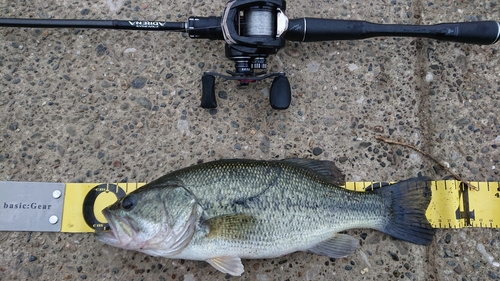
(226, 210)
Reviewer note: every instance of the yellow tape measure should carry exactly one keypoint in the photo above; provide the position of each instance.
(452, 205)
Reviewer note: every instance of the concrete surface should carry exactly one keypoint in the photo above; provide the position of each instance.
(107, 106)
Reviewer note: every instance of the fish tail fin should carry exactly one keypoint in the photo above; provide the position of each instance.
(407, 202)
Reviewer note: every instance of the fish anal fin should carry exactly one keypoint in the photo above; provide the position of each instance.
(233, 227)
(339, 246)
(326, 169)
(228, 264)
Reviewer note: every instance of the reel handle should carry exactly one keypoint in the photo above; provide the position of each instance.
(280, 95)
(314, 29)
(208, 99)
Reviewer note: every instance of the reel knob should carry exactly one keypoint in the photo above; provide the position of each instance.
(280, 95)
(208, 92)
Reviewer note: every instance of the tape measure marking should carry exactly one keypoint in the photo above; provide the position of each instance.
(80, 212)
(90, 199)
(485, 204)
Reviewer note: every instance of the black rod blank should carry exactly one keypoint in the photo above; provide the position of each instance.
(95, 24)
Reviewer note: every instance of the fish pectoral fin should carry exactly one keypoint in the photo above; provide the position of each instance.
(339, 246)
(227, 264)
(233, 227)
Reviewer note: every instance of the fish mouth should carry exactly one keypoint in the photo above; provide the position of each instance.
(121, 232)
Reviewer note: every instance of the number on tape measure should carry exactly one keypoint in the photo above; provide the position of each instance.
(89, 202)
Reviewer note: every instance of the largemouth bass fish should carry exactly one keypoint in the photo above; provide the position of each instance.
(226, 210)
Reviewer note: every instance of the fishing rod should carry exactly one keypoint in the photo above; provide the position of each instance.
(255, 29)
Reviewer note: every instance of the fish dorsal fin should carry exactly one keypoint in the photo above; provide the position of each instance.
(339, 246)
(234, 227)
(228, 264)
(326, 169)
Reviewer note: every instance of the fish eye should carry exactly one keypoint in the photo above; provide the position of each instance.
(129, 202)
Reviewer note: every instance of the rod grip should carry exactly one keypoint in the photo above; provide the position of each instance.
(313, 29)
(478, 32)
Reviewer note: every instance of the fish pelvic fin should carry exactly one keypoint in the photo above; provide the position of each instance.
(228, 264)
(339, 246)
(407, 202)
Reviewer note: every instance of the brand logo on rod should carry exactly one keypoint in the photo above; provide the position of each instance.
(146, 24)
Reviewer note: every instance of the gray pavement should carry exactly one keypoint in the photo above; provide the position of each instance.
(108, 106)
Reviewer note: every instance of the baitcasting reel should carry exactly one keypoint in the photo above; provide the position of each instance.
(255, 29)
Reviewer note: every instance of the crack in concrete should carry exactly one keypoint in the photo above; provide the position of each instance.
(426, 131)
(422, 86)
